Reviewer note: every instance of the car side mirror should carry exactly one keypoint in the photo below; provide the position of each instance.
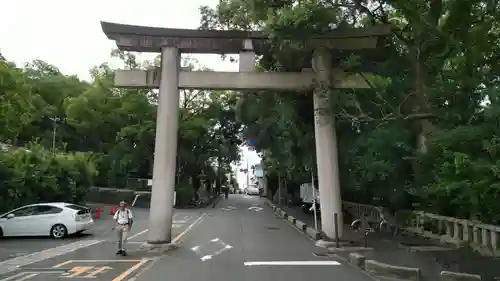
(9, 216)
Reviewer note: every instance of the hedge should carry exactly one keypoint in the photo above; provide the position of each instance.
(35, 175)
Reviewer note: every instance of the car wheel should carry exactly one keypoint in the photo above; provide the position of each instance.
(58, 231)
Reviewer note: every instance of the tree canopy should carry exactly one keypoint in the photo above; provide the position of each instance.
(423, 135)
(113, 128)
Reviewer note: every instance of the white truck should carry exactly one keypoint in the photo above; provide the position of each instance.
(309, 196)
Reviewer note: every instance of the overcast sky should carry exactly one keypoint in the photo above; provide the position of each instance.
(68, 34)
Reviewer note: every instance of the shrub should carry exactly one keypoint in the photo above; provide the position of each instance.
(33, 176)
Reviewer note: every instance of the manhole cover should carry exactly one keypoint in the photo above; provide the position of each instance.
(272, 227)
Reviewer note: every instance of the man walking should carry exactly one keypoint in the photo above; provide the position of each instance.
(124, 219)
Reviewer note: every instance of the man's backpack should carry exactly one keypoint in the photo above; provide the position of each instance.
(130, 221)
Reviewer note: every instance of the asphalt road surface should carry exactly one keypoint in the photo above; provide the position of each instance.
(240, 239)
(243, 240)
(84, 257)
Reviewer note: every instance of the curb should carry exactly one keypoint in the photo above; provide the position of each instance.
(458, 276)
(392, 271)
(300, 225)
(371, 267)
(379, 269)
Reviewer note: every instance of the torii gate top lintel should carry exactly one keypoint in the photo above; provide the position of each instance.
(152, 39)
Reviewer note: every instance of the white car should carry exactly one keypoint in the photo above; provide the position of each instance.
(252, 191)
(46, 219)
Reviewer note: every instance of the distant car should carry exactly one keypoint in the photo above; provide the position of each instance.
(252, 191)
(46, 219)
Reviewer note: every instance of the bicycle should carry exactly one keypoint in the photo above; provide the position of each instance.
(387, 222)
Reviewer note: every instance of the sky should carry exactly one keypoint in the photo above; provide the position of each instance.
(68, 34)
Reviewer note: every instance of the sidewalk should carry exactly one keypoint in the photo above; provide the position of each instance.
(417, 252)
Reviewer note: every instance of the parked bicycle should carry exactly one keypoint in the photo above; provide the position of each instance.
(386, 224)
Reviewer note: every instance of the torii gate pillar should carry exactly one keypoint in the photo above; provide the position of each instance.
(164, 167)
(326, 147)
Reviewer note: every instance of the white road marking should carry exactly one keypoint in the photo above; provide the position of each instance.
(255, 208)
(255, 263)
(29, 276)
(137, 234)
(14, 276)
(188, 228)
(215, 239)
(175, 224)
(205, 258)
(231, 207)
(13, 264)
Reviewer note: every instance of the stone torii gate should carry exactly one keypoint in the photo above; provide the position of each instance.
(170, 78)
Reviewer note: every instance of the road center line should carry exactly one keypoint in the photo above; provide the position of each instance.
(188, 228)
(129, 271)
(256, 263)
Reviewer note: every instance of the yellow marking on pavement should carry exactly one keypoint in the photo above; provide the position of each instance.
(178, 237)
(92, 261)
(62, 264)
(129, 271)
(76, 271)
(92, 271)
(98, 271)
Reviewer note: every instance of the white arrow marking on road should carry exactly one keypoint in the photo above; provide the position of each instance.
(255, 209)
(254, 263)
(205, 258)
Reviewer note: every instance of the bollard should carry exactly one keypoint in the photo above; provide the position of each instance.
(365, 228)
(336, 224)
(98, 213)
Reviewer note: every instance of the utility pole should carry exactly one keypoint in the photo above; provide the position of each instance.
(248, 175)
(219, 164)
(54, 131)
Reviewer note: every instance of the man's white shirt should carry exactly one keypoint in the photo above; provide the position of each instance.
(123, 216)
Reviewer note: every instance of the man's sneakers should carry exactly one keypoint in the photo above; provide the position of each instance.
(121, 252)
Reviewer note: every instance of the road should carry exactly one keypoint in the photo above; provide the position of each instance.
(239, 239)
(243, 240)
